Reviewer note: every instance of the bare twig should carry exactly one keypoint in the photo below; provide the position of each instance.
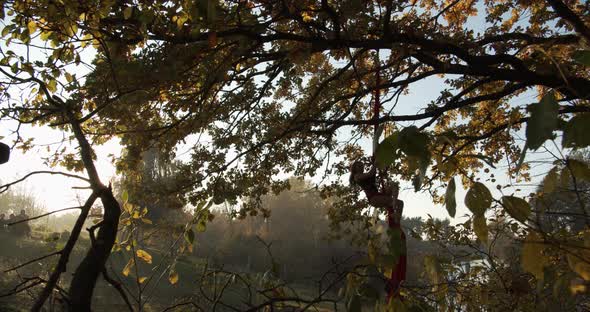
(5, 187)
(33, 260)
(43, 215)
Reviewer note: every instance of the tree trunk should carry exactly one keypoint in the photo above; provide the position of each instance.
(86, 275)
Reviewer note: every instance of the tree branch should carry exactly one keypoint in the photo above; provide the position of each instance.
(572, 18)
(44, 215)
(33, 260)
(5, 187)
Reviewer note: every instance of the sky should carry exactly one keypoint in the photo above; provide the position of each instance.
(56, 192)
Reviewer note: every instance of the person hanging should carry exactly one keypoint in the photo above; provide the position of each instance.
(386, 198)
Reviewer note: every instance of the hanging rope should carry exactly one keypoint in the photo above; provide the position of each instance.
(376, 107)
(394, 211)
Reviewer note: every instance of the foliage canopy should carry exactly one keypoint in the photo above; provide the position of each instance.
(260, 89)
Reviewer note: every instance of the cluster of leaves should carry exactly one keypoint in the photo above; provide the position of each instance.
(134, 225)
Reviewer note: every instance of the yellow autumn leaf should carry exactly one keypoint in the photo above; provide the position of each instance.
(141, 279)
(143, 255)
(306, 17)
(173, 278)
(577, 288)
(136, 215)
(533, 258)
(52, 85)
(128, 267)
(31, 26)
(45, 35)
(147, 221)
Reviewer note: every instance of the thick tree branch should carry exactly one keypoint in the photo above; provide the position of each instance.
(452, 105)
(572, 18)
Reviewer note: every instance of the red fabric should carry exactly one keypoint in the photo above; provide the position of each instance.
(398, 274)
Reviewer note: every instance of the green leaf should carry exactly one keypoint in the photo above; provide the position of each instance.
(576, 132)
(127, 12)
(450, 201)
(516, 207)
(543, 121)
(565, 178)
(417, 180)
(579, 169)
(386, 153)
(415, 145)
(413, 142)
(125, 196)
(189, 236)
(551, 180)
(6, 30)
(201, 226)
(533, 259)
(45, 35)
(582, 57)
(478, 199)
(52, 85)
(480, 227)
(200, 206)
